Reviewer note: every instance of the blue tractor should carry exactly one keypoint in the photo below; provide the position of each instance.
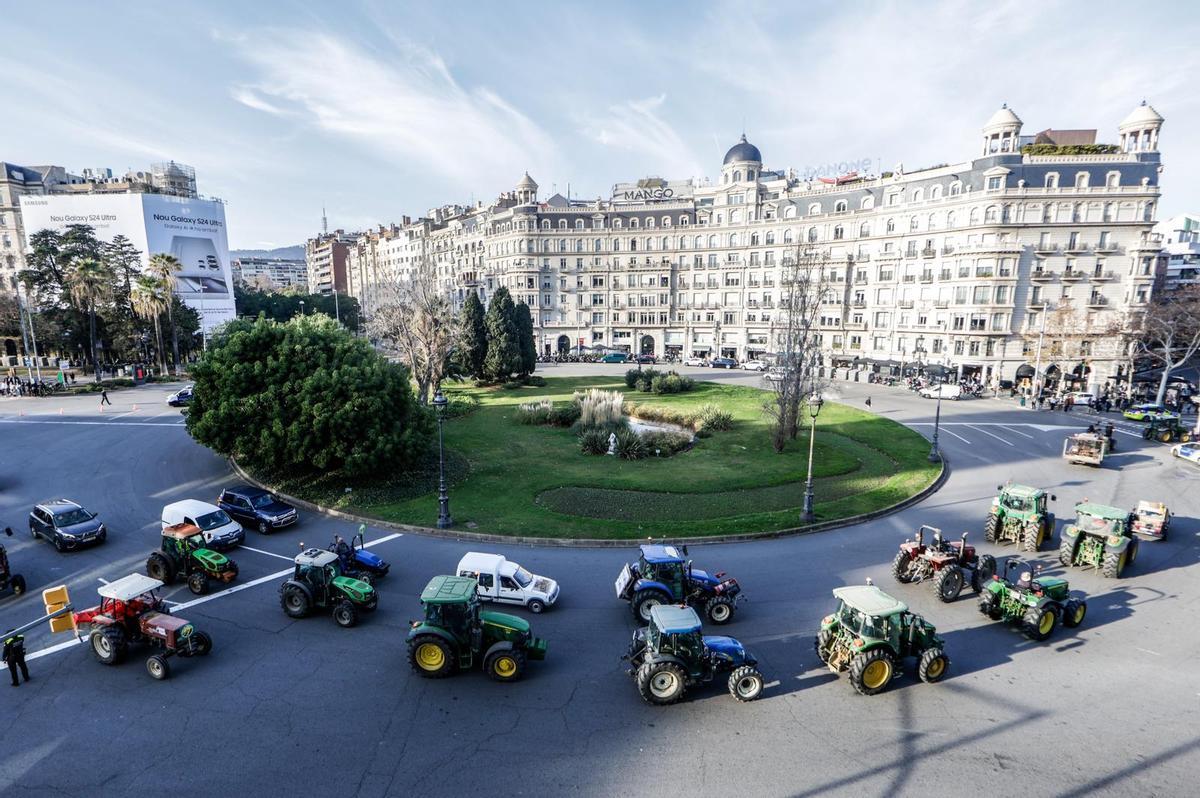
(356, 561)
(662, 576)
(670, 655)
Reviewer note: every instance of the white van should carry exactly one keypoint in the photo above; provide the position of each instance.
(946, 391)
(506, 582)
(219, 530)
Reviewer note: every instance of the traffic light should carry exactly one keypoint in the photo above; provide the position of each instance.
(55, 599)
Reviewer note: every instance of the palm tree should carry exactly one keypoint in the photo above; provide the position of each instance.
(164, 267)
(149, 299)
(90, 282)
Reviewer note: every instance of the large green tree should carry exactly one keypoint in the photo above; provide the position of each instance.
(525, 342)
(165, 268)
(305, 397)
(504, 350)
(472, 342)
(90, 283)
(283, 305)
(149, 299)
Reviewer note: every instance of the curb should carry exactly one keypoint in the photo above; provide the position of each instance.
(481, 537)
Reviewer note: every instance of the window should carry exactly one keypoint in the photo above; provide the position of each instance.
(995, 183)
(914, 224)
(864, 230)
(789, 212)
(787, 236)
(814, 209)
(579, 224)
(840, 206)
(838, 233)
(955, 188)
(868, 202)
(918, 195)
(812, 234)
(935, 193)
(737, 176)
(1081, 180)
(1052, 180)
(992, 214)
(1112, 180)
(891, 225)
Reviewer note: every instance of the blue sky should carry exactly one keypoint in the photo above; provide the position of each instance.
(379, 110)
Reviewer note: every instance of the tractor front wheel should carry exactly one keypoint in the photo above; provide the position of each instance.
(1074, 613)
(871, 672)
(934, 664)
(1039, 622)
(430, 656)
(505, 666)
(991, 527)
(902, 567)
(985, 569)
(1114, 563)
(109, 644)
(643, 600)
(157, 667)
(989, 605)
(746, 683)
(719, 610)
(159, 567)
(296, 602)
(345, 614)
(948, 583)
(661, 682)
(198, 583)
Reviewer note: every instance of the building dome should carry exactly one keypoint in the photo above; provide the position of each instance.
(1003, 118)
(743, 151)
(527, 182)
(1142, 116)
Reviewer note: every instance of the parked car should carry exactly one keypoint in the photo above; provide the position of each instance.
(506, 582)
(1082, 398)
(257, 508)
(1187, 451)
(946, 391)
(774, 375)
(181, 398)
(219, 530)
(1149, 412)
(723, 363)
(651, 359)
(755, 365)
(695, 361)
(66, 524)
(615, 357)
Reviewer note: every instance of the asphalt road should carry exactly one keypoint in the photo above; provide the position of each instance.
(304, 707)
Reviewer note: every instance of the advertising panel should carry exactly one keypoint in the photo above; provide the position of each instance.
(190, 229)
(651, 189)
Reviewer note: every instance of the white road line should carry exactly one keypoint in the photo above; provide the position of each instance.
(1017, 431)
(74, 641)
(92, 423)
(1148, 651)
(101, 580)
(993, 435)
(268, 553)
(956, 435)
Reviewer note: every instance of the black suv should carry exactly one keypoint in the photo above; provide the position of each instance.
(65, 524)
(257, 508)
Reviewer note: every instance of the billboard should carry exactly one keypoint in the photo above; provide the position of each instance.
(652, 189)
(192, 230)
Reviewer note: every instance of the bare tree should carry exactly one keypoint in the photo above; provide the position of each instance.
(804, 280)
(1171, 332)
(416, 318)
(1068, 335)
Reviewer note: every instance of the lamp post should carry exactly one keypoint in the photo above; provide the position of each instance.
(814, 407)
(301, 307)
(934, 454)
(444, 520)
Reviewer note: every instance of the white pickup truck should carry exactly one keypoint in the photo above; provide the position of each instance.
(506, 582)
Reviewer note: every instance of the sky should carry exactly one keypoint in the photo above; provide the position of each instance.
(377, 110)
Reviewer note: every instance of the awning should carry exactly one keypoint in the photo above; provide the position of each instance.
(1025, 372)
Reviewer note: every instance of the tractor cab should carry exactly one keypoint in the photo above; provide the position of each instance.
(675, 631)
(452, 604)
(664, 564)
(319, 570)
(184, 541)
(869, 614)
(1022, 499)
(1101, 520)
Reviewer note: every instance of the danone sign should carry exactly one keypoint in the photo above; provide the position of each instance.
(652, 189)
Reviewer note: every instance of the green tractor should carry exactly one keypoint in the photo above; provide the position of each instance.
(457, 635)
(1101, 537)
(1019, 516)
(318, 583)
(183, 555)
(1037, 602)
(870, 632)
(1167, 430)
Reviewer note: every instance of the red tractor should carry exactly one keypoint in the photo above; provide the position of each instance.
(131, 611)
(943, 563)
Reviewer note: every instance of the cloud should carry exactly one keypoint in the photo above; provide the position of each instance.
(637, 126)
(402, 103)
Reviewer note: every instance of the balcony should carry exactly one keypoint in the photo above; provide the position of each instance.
(1045, 249)
(858, 303)
(1077, 248)
(1151, 243)
(1041, 275)
(948, 249)
(944, 274)
(1097, 301)
(906, 304)
(941, 304)
(1105, 248)
(928, 252)
(1073, 275)
(1104, 276)
(927, 277)
(1037, 303)
(862, 257)
(892, 255)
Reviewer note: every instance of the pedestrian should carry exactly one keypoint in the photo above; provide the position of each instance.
(868, 401)
(14, 657)
(104, 400)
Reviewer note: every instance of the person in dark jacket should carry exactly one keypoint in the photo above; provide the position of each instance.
(14, 657)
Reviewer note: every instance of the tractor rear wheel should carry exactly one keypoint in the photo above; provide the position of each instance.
(824, 639)
(719, 610)
(505, 666)
(746, 683)
(1185, 437)
(902, 567)
(201, 644)
(198, 583)
(990, 528)
(643, 600)
(948, 583)
(160, 568)
(1165, 436)
(430, 656)
(871, 672)
(985, 569)
(345, 614)
(1039, 622)
(661, 682)
(157, 666)
(18, 581)
(1032, 537)
(933, 666)
(1074, 613)
(1114, 563)
(295, 602)
(1066, 551)
(109, 644)
(989, 605)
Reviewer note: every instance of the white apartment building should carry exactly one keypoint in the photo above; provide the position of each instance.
(958, 265)
(1181, 249)
(270, 273)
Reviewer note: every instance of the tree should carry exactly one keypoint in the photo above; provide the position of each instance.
(472, 337)
(165, 267)
(504, 353)
(149, 300)
(1171, 333)
(305, 397)
(1066, 337)
(804, 282)
(90, 283)
(125, 261)
(526, 344)
(415, 318)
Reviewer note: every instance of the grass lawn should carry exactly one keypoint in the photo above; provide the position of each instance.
(515, 479)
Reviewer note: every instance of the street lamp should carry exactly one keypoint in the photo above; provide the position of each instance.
(444, 520)
(814, 407)
(934, 454)
(301, 307)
